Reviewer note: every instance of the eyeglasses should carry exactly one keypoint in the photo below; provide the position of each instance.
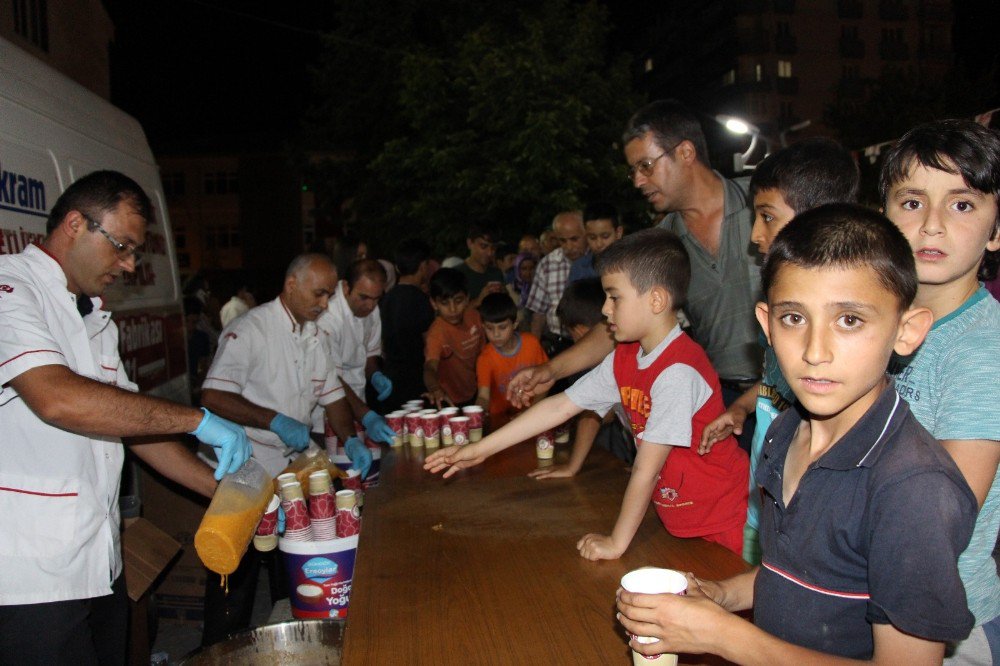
(123, 250)
(646, 166)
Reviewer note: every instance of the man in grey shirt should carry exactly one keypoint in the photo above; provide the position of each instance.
(668, 163)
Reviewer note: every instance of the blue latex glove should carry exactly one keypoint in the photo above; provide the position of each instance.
(281, 520)
(229, 440)
(294, 434)
(377, 428)
(359, 454)
(382, 384)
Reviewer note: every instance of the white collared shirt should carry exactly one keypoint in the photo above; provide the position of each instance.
(352, 340)
(273, 362)
(59, 522)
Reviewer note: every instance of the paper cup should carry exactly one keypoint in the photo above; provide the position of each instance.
(431, 424)
(459, 429)
(266, 536)
(319, 576)
(348, 516)
(445, 415)
(562, 434)
(396, 421)
(475, 414)
(651, 580)
(414, 429)
(545, 445)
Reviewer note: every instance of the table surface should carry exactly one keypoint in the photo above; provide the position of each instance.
(483, 567)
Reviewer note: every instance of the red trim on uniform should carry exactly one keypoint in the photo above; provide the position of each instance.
(109, 368)
(33, 351)
(864, 596)
(46, 251)
(333, 390)
(287, 312)
(35, 492)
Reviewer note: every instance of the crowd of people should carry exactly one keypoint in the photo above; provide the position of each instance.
(802, 380)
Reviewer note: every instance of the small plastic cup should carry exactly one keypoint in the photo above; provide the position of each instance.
(459, 430)
(475, 414)
(545, 445)
(266, 537)
(652, 580)
(431, 424)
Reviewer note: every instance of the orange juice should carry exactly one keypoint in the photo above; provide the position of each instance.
(231, 520)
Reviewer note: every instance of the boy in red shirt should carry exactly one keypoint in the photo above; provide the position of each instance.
(508, 352)
(668, 390)
(454, 341)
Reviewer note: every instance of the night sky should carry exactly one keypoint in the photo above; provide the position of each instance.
(222, 74)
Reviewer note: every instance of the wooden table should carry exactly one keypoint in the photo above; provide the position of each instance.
(483, 568)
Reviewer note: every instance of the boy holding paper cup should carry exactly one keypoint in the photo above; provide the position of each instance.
(864, 513)
(669, 392)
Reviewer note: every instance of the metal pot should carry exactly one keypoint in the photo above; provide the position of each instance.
(296, 642)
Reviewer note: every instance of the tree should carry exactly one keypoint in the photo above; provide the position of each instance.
(504, 118)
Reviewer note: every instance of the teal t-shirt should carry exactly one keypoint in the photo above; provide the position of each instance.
(953, 388)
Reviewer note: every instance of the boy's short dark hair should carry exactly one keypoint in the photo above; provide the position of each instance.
(581, 303)
(410, 253)
(448, 282)
(497, 308)
(601, 210)
(650, 258)
(478, 230)
(848, 236)
(954, 146)
(809, 173)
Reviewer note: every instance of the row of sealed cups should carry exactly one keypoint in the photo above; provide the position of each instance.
(431, 428)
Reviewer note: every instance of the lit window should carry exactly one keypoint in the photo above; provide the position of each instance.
(785, 69)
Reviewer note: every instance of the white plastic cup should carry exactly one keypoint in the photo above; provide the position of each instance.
(652, 580)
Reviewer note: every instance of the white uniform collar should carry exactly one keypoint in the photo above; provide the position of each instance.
(51, 272)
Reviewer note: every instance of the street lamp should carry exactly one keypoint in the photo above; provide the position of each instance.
(742, 127)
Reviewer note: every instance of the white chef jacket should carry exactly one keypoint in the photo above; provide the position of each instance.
(59, 522)
(272, 361)
(352, 340)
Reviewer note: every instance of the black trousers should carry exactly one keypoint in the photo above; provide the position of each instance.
(729, 396)
(81, 632)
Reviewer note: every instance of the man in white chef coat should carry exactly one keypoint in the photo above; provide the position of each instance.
(65, 404)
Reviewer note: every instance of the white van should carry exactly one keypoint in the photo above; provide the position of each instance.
(53, 131)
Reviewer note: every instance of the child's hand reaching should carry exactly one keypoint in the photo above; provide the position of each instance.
(598, 547)
(554, 472)
(728, 423)
(455, 458)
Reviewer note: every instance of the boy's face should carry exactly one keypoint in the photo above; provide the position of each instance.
(770, 215)
(948, 224)
(452, 308)
(601, 234)
(626, 309)
(481, 250)
(499, 333)
(833, 331)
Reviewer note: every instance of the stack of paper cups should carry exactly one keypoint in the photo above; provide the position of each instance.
(445, 415)
(475, 414)
(414, 429)
(353, 482)
(266, 537)
(545, 445)
(348, 516)
(297, 524)
(650, 580)
(416, 404)
(431, 424)
(322, 507)
(397, 423)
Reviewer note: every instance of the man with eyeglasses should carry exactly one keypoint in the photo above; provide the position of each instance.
(65, 404)
(667, 155)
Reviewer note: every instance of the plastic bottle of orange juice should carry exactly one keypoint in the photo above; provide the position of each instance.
(231, 519)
